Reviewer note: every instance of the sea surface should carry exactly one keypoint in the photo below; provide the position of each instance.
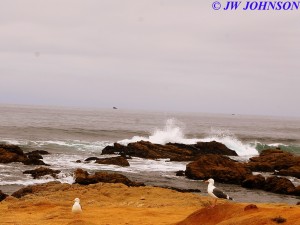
(72, 134)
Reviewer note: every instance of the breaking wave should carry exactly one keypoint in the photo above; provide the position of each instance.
(172, 132)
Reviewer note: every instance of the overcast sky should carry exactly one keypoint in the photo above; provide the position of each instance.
(161, 55)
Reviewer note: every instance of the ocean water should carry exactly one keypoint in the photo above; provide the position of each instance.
(72, 134)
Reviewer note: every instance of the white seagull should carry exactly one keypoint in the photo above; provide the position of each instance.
(215, 192)
(76, 207)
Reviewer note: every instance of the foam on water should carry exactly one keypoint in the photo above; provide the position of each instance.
(277, 145)
(231, 142)
(70, 144)
(28, 180)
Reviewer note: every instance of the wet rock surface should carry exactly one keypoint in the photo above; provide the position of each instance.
(13, 153)
(275, 159)
(42, 171)
(119, 161)
(218, 167)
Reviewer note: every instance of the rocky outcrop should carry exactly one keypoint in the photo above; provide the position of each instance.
(254, 182)
(84, 178)
(173, 151)
(279, 185)
(220, 168)
(273, 184)
(274, 159)
(35, 158)
(293, 171)
(34, 155)
(119, 161)
(13, 153)
(91, 159)
(2, 196)
(42, 171)
(40, 152)
(35, 161)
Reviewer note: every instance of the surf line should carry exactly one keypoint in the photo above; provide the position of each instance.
(263, 5)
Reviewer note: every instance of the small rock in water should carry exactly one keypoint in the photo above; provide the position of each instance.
(180, 173)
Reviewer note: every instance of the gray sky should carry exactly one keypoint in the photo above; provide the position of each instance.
(171, 55)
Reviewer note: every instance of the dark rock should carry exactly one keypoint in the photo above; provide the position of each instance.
(33, 161)
(117, 148)
(279, 185)
(173, 151)
(214, 147)
(91, 159)
(2, 196)
(78, 161)
(218, 167)
(254, 181)
(34, 155)
(84, 178)
(273, 159)
(41, 152)
(180, 173)
(42, 171)
(296, 191)
(11, 153)
(250, 207)
(293, 171)
(12, 148)
(32, 189)
(298, 203)
(119, 161)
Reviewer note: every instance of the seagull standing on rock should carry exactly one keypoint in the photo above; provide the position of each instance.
(215, 192)
(76, 207)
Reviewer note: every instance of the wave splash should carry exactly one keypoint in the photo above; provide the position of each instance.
(171, 132)
(174, 133)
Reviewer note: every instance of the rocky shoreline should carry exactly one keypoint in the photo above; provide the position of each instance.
(112, 198)
(210, 160)
(206, 160)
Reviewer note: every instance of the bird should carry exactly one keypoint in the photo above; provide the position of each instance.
(76, 207)
(215, 192)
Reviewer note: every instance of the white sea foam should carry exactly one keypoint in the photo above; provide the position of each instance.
(232, 142)
(277, 145)
(27, 180)
(73, 144)
(174, 133)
